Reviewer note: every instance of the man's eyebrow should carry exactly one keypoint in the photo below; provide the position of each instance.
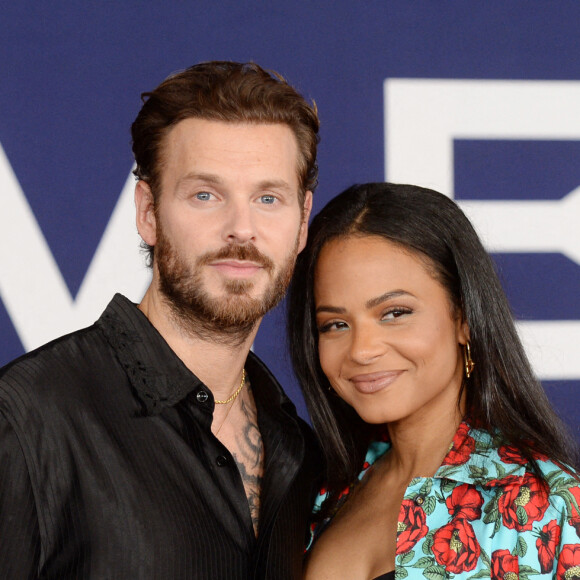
(274, 184)
(216, 180)
(204, 177)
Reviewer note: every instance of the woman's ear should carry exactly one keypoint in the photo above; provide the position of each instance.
(145, 206)
(462, 331)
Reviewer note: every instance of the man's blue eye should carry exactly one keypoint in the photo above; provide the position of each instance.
(203, 195)
(268, 199)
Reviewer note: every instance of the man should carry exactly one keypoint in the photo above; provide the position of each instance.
(154, 444)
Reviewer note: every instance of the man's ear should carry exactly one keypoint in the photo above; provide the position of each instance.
(145, 206)
(307, 208)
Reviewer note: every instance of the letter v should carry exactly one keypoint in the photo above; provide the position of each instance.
(31, 285)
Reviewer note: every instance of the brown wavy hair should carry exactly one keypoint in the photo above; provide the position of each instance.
(223, 91)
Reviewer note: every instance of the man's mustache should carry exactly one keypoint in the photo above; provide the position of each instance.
(247, 252)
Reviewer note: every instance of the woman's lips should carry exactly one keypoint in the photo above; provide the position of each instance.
(373, 382)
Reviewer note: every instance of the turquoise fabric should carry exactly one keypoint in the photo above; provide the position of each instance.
(485, 514)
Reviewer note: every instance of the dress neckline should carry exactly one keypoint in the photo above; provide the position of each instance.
(387, 576)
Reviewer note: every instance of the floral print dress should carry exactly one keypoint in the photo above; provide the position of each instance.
(484, 514)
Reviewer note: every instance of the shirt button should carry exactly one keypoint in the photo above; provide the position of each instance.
(202, 397)
(221, 460)
(419, 500)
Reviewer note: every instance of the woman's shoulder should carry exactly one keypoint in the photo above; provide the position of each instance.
(484, 458)
(563, 487)
(555, 475)
(507, 466)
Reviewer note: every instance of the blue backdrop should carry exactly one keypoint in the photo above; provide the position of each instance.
(477, 99)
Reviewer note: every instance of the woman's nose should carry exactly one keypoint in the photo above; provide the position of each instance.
(367, 345)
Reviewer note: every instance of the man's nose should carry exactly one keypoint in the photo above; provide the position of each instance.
(239, 226)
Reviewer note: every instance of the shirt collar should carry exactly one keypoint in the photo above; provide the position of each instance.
(159, 377)
(157, 374)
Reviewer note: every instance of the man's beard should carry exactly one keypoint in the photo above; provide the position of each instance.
(228, 318)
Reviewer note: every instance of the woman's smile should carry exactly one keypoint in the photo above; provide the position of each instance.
(370, 383)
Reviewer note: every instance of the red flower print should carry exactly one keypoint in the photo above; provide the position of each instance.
(512, 454)
(461, 448)
(504, 566)
(575, 519)
(465, 502)
(455, 546)
(569, 562)
(384, 436)
(548, 540)
(344, 492)
(529, 494)
(412, 527)
(506, 481)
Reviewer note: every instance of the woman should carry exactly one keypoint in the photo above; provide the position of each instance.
(421, 393)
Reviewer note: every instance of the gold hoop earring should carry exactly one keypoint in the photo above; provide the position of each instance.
(467, 360)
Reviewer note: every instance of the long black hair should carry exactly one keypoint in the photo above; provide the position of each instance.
(502, 393)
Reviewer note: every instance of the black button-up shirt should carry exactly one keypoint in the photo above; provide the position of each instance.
(109, 469)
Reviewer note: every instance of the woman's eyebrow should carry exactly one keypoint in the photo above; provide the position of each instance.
(386, 296)
(369, 304)
(330, 309)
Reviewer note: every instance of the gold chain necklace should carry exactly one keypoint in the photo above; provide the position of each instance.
(238, 391)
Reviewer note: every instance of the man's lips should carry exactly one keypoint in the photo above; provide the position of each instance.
(373, 382)
(236, 268)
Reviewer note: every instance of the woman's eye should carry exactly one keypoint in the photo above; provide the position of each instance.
(267, 199)
(393, 313)
(336, 325)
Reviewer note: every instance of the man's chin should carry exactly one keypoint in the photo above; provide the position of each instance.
(238, 287)
(240, 306)
(233, 304)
